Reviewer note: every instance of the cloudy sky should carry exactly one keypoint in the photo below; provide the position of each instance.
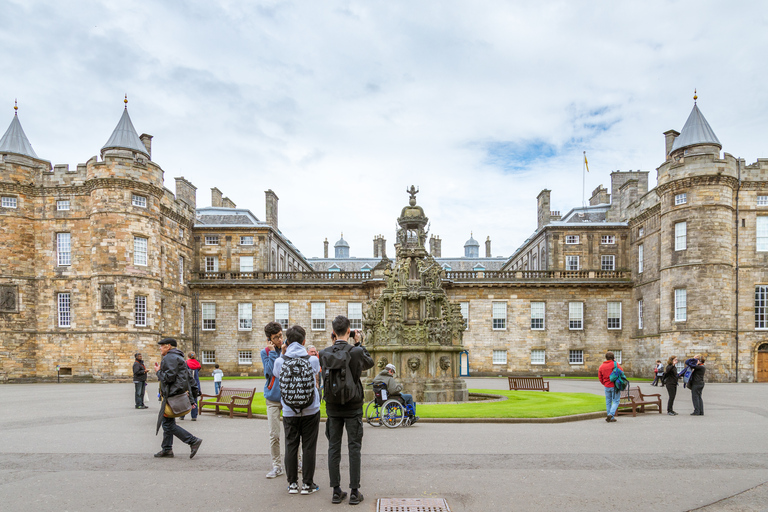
(339, 106)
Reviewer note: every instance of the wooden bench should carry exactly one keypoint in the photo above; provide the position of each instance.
(528, 384)
(230, 399)
(633, 398)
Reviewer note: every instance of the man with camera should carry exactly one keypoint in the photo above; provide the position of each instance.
(342, 364)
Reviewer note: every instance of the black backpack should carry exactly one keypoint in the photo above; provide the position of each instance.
(297, 383)
(338, 381)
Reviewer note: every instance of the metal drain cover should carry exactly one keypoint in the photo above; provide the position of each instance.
(412, 505)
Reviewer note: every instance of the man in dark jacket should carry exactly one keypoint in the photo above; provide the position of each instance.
(696, 384)
(175, 379)
(139, 381)
(347, 415)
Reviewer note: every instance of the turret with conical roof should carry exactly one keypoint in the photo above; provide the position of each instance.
(15, 141)
(696, 133)
(124, 137)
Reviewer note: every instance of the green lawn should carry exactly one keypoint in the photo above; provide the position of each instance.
(520, 404)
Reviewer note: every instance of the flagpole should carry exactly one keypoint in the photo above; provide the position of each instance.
(584, 181)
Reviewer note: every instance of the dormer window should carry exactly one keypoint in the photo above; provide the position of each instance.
(334, 268)
(137, 200)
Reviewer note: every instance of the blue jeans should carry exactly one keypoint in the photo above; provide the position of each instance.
(216, 387)
(408, 399)
(612, 397)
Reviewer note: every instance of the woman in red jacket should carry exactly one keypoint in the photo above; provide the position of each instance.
(612, 395)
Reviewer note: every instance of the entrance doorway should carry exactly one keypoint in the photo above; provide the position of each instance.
(762, 363)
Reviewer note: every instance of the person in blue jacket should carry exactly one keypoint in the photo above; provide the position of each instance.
(269, 354)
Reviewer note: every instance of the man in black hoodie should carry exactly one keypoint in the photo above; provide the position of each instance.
(175, 379)
(346, 412)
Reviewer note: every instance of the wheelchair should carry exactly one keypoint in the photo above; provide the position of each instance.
(390, 411)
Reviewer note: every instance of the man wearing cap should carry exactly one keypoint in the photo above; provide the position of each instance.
(139, 380)
(387, 376)
(175, 379)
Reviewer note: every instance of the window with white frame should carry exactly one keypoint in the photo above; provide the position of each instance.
(499, 357)
(681, 198)
(465, 313)
(64, 302)
(244, 316)
(575, 357)
(281, 314)
(244, 357)
(140, 251)
(571, 263)
(614, 315)
(761, 233)
(246, 263)
(8, 202)
(607, 262)
(538, 310)
(140, 311)
(640, 314)
(499, 321)
(608, 239)
(680, 367)
(211, 239)
(571, 239)
(617, 356)
(681, 234)
(681, 305)
(208, 356)
(63, 249)
(246, 240)
(137, 200)
(181, 233)
(209, 316)
(538, 356)
(62, 205)
(762, 200)
(318, 316)
(181, 270)
(355, 315)
(761, 307)
(640, 259)
(211, 263)
(640, 232)
(575, 316)
(183, 318)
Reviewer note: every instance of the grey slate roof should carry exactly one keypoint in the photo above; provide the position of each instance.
(696, 131)
(15, 140)
(125, 137)
(226, 217)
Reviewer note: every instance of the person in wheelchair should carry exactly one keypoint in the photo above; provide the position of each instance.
(394, 388)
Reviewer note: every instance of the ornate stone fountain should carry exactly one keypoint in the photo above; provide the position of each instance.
(412, 324)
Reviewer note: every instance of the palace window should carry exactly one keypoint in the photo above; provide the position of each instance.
(617, 356)
(762, 200)
(8, 202)
(538, 356)
(465, 313)
(681, 236)
(63, 249)
(571, 263)
(183, 317)
(244, 316)
(575, 316)
(355, 315)
(246, 240)
(681, 305)
(244, 357)
(499, 357)
(538, 310)
(761, 307)
(140, 251)
(137, 200)
(318, 316)
(681, 199)
(181, 234)
(65, 309)
(571, 239)
(640, 259)
(499, 321)
(281, 314)
(209, 316)
(762, 233)
(640, 314)
(640, 232)
(208, 356)
(140, 311)
(211, 239)
(62, 205)
(608, 239)
(246, 263)
(614, 315)
(607, 262)
(211, 264)
(575, 357)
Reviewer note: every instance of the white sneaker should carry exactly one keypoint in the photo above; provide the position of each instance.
(309, 489)
(293, 488)
(276, 472)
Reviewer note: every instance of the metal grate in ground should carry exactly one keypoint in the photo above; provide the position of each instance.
(412, 505)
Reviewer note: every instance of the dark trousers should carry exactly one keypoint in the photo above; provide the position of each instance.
(170, 429)
(301, 430)
(139, 395)
(698, 403)
(656, 379)
(334, 428)
(672, 390)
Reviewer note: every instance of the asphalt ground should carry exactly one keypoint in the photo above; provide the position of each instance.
(83, 447)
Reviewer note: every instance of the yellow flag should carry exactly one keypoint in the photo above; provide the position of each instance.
(586, 164)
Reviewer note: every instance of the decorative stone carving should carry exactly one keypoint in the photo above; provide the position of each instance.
(107, 294)
(8, 298)
(414, 363)
(382, 363)
(445, 363)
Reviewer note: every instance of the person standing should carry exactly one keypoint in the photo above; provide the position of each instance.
(669, 380)
(195, 366)
(612, 395)
(696, 383)
(301, 424)
(139, 381)
(658, 373)
(344, 405)
(175, 379)
(218, 376)
(269, 354)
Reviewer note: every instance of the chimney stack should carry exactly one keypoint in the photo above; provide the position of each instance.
(228, 203)
(543, 208)
(435, 246)
(488, 247)
(669, 139)
(382, 246)
(376, 246)
(216, 197)
(187, 192)
(147, 140)
(325, 248)
(271, 208)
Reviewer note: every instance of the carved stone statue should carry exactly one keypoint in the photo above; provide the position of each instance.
(382, 363)
(107, 296)
(8, 298)
(414, 363)
(412, 191)
(445, 363)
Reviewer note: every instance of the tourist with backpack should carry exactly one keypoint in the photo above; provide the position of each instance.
(297, 371)
(669, 380)
(612, 377)
(696, 383)
(342, 364)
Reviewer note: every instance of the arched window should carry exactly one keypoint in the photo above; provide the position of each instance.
(763, 348)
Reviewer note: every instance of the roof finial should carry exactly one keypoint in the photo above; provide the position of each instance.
(15, 107)
(126, 101)
(694, 96)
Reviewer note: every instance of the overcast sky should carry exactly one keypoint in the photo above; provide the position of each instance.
(339, 106)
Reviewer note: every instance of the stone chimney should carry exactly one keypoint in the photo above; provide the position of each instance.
(543, 208)
(147, 140)
(215, 197)
(186, 192)
(488, 247)
(669, 139)
(600, 196)
(325, 248)
(228, 203)
(271, 208)
(435, 246)
(554, 216)
(376, 246)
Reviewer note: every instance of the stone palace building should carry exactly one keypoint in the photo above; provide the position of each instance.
(100, 261)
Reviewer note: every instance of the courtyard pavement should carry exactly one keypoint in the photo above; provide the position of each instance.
(83, 447)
